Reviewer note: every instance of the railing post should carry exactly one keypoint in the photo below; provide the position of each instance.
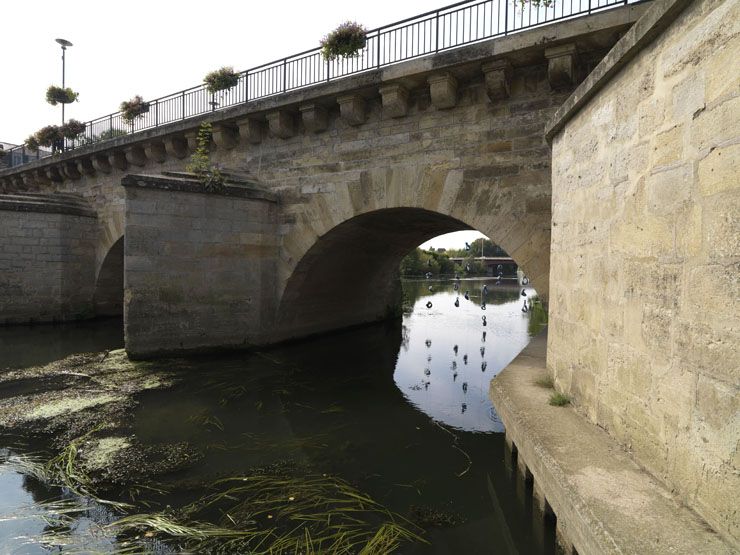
(436, 33)
(183, 104)
(110, 125)
(377, 49)
(285, 74)
(156, 113)
(506, 17)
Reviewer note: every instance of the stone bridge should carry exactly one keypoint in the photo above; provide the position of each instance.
(628, 226)
(355, 173)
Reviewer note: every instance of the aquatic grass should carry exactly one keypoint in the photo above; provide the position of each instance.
(559, 400)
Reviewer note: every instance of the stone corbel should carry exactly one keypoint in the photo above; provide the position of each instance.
(176, 146)
(281, 124)
(101, 163)
(561, 65)
(135, 155)
(70, 170)
(117, 159)
(41, 177)
(443, 90)
(85, 166)
(352, 108)
(395, 100)
(225, 136)
(315, 117)
(250, 129)
(192, 139)
(29, 181)
(154, 150)
(498, 79)
(53, 174)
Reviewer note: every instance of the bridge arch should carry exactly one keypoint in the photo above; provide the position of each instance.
(364, 227)
(108, 295)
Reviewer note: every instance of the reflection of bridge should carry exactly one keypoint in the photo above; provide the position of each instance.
(508, 266)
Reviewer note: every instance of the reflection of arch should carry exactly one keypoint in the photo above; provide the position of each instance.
(350, 275)
(108, 298)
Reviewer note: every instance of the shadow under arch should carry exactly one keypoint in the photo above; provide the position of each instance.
(108, 296)
(350, 275)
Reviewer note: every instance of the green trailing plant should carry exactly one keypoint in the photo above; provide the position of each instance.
(345, 41)
(132, 109)
(200, 161)
(58, 95)
(72, 129)
(559, 400)
(221, 79)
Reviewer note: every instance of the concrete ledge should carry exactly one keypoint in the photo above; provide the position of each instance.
(188, 183)
(607, 503)
(645, 29)
(73, 205)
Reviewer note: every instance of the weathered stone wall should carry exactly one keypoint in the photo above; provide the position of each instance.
(645, 258)
(199, 267)
(47, 259)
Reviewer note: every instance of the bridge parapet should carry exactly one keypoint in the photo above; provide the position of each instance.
(577, 44)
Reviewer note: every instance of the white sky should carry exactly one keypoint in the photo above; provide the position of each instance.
(454, 240)
(154, 47)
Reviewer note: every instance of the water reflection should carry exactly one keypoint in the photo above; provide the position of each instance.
(389, 408)
(440, 341)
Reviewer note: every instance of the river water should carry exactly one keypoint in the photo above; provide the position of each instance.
(398, 410)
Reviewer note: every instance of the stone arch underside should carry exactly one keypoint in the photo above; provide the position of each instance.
(108, 296)
(340, 257)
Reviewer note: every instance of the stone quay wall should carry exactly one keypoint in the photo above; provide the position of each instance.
(47, 258)
(199, 266)
(645, 257)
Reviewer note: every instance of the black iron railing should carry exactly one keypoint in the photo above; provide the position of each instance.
(453, 26)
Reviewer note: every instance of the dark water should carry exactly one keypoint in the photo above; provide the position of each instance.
(392, 408)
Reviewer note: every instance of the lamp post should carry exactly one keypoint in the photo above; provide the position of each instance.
(65, 43)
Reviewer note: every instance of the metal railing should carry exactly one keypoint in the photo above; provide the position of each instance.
(450, 27)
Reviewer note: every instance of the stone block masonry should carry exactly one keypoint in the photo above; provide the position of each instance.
(199, 266)
(47, 258)
(645, 253)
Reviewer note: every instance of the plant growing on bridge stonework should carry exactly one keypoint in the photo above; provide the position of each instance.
(72, 129)
(58, 95)
(200, 161)
(345, 41)
(134, 108)
(221, 79)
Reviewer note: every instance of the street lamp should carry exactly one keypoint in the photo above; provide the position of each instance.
(65, 43)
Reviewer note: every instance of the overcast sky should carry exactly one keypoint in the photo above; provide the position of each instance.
(157, 47)
(154, 47)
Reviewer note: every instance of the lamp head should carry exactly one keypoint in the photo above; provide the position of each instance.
(64, 42)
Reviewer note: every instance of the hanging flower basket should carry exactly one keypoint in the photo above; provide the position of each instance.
(32, 144)
(221, 79)
(345, 41)
(49, 136)
(57, 95)
(72, 129)
(132, 109)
